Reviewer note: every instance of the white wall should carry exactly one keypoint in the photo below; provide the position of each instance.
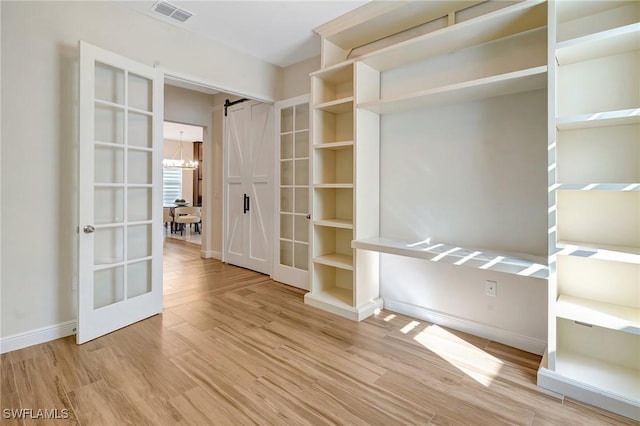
(39, 113)
(472, 175)
(455, 296)
(295, 78)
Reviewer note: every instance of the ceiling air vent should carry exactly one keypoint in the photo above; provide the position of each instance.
(181, 15)
(172, 11)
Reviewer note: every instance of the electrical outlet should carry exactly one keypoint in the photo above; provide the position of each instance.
(491, 288)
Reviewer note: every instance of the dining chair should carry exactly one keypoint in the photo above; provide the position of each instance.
(190, 215)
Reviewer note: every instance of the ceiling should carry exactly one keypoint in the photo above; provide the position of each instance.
(279, 32)
(190, 133)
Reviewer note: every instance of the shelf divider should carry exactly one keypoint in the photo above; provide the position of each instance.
(333, 185)
(497, 85)
(334, 145)
(605, 43)
(336, 260)
(607, 315)
(599, 251)
(599, 119)
(337, 106)
(334, 223)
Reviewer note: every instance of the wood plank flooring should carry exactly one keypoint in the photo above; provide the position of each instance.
(236, 348)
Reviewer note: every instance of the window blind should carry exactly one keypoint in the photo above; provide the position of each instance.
(171, 186)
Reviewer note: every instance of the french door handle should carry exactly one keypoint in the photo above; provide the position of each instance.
(89, 229)
(246, 201)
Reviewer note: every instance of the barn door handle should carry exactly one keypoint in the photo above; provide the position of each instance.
(246, 203)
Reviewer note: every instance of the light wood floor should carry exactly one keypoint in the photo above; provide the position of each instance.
(235, 348)
(189, 235)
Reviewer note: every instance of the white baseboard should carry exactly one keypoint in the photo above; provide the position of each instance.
(37, 336)
(211, 254)
(486, 331)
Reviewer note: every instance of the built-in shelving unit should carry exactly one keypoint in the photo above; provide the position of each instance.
(398, 84)
(469, 63)
(335, 209)
(476, 73)
(594, 291)
(350, 97)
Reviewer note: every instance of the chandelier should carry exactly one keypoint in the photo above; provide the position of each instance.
(177, 162)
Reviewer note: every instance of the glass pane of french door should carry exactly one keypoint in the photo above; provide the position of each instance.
(122, 185)
(294, 187)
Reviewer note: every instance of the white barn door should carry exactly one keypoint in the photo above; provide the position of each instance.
(248, 172)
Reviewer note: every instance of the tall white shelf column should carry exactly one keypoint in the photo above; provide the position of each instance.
(345, 145)
(594, 292)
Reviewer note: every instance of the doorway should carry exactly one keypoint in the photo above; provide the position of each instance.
(183, 182)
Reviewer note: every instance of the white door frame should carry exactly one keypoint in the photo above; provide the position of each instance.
(188, 79)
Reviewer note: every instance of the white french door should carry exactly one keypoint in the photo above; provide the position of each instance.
(120, 192)
(291, 263)
(248, 171)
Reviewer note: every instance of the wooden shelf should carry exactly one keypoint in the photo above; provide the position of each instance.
(605, 43)
(334, 223)
(336, 74)
(599, 119)
(338, 106)
(333, 185)
(337, 294)
(597, 186)
(493, 26)
(531, 266)
(336, 260)
(334, 145)
(498, 85)
(599, 251)
(607, 315)
(335, 299)
(611, 378)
